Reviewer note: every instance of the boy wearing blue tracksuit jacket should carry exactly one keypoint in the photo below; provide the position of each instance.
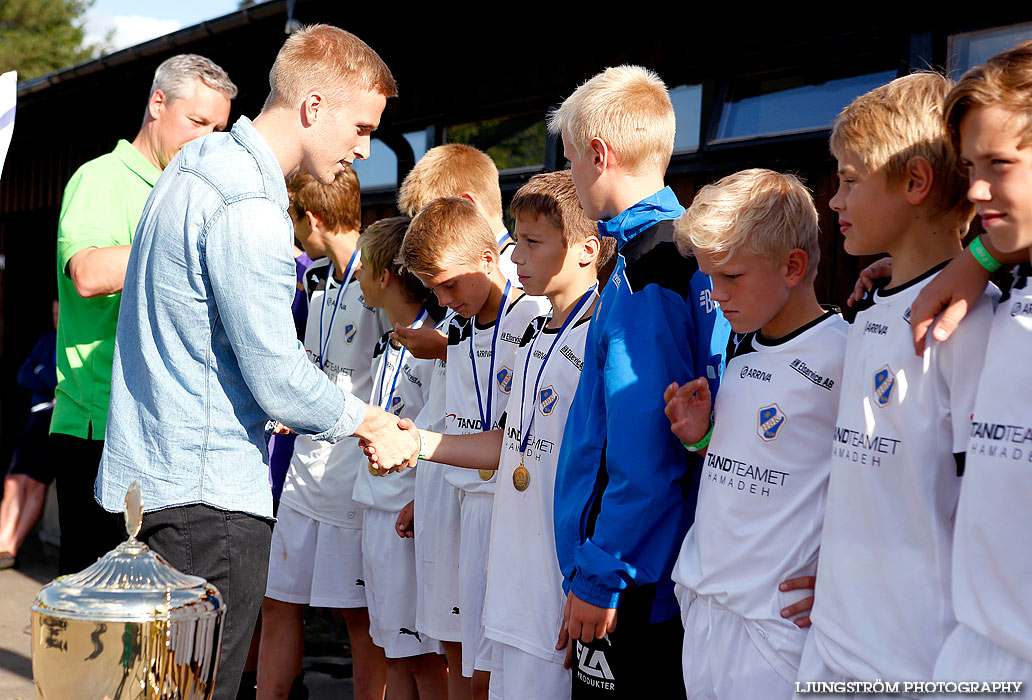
(624, 495)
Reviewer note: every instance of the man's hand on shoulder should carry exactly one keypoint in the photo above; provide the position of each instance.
(97, 272)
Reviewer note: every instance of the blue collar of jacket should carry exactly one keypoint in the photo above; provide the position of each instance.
(635, 219)
(251, 139)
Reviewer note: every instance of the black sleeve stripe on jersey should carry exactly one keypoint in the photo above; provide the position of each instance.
(868, 299)
(652, 258)
(1021, 274)
(739, 344)
(459, 328)
(381, 344)
(316, 276)
(533, 328)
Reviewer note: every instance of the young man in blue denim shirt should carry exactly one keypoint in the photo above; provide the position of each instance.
(206, 349)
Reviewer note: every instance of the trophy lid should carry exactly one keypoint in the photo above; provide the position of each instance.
(129, 583)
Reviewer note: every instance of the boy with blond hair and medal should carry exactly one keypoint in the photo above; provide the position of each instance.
(401, 385)
(451, 249)
(558, 255)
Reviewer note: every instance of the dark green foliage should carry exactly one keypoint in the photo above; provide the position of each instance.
(40, 36)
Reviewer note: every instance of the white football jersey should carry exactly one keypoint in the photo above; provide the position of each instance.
(992, 560)
(468, 392)
(882, 605)
(430, 474)
(402, 389)
(764, 479)
(321, 476)
(524, 602)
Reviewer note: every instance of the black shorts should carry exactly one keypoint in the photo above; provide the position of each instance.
(640, 659)
(32, 456)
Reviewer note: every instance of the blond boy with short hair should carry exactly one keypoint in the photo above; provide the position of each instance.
(987, 117)
(766, 464)
(882, 604)
(458, 170)
(450, 247)
(623, 487)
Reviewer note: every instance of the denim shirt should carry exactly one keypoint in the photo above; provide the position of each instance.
(206, 350)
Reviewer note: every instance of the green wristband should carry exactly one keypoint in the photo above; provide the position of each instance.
(422, 446)
(701, 444)
(984, 258)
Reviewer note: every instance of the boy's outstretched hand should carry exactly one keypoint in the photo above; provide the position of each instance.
(391, 445)
(688, 408)
(426, 343)
(585, 622)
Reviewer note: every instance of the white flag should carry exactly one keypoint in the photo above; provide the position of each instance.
(8, 97)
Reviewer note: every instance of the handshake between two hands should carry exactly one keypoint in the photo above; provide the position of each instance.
(390, 443)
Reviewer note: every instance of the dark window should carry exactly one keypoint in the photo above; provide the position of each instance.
(381, 168)
(512, 142)
(770, 106)
(974, 48)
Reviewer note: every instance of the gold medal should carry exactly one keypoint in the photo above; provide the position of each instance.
(486, 474)
(373, 470)
(521, 478)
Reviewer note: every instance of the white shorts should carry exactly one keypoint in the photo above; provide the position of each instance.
(719, 658)
(517, 675)
(314, 563)
(474, 543)
(968, 656)
(390, 575)
(813, 668)
(436, 527)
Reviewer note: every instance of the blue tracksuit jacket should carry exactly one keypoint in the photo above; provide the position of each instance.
(624, 492)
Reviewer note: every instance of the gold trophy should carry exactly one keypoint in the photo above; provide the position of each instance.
(129, 627)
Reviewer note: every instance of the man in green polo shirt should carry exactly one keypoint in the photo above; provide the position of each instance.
(102, 204)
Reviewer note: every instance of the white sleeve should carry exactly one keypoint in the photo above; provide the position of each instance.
(961, 360)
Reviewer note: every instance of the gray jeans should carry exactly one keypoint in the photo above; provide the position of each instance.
(231, 551)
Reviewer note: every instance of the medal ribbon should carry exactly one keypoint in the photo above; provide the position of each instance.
(525, 432)
(503, 238)
(397, 370)
(348, 273)
(485, 416)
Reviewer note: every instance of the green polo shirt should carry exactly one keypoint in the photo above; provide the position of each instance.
(101, 207)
